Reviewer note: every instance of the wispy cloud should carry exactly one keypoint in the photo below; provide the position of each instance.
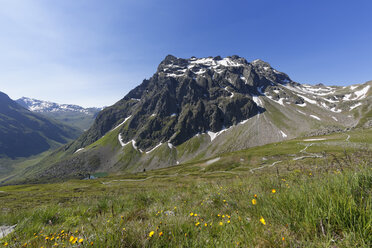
(50, 52)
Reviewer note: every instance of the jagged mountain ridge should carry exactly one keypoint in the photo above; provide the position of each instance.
(199, 107)
(69, 114)
(191, 96)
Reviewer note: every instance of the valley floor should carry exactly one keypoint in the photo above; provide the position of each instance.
(299, 193)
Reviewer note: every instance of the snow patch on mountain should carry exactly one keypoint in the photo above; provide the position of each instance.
(302, 105)
(315, 117)
(283, 134)
(120, 138)
(361, 94)
(335, 110)
(78, 150)
(257, 100)
(214, 135)
(301, 112)
(307, 99)
(280, 101)
(125, 120)
(153, 149)
(355, 106)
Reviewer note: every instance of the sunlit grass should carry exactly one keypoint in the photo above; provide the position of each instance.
(322, 205)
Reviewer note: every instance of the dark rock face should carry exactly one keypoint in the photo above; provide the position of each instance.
(186, 97)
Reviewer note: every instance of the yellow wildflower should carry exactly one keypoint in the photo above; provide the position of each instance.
(81, 240)
(254, 201)
(228, 221)
(151, 234)
(205, 224)
(191, 214)
(160, 234)
(197, 223)
(283, 238)
(71, 238)
(273, 191)
(262, 220)
(195, 215)
(221, 223)
(74, 241)
(255, 196)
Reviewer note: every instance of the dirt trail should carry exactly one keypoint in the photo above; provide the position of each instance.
(264, 166)
(309, 155)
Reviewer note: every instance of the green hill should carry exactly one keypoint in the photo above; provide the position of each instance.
(24, 134)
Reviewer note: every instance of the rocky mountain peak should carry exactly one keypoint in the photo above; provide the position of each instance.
(186, 97)
(173, 66)
(233, 68)
(260, 63)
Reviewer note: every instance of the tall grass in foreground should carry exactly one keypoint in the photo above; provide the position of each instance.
(299, 209)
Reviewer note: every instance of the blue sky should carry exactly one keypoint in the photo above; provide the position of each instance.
(92, 53)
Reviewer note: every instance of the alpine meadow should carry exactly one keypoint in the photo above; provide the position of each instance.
(268, 148)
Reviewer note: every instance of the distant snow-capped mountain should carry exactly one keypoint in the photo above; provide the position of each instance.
(24, 133)
(46, 106)
(68, 113)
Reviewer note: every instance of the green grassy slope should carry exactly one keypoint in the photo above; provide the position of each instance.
(318, 202)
